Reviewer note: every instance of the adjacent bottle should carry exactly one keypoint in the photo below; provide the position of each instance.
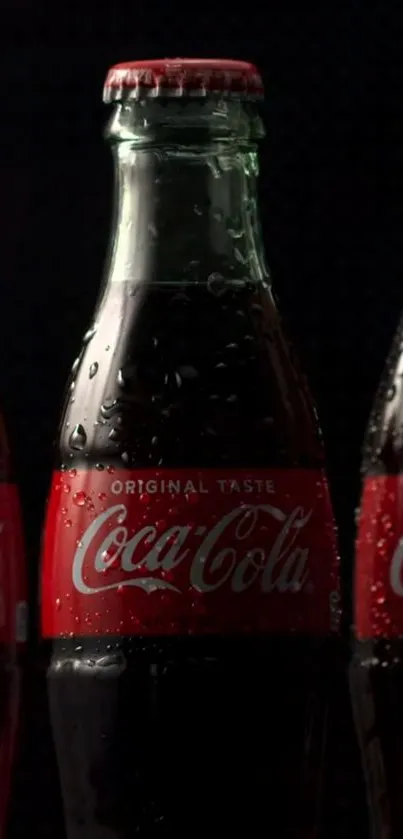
(377, 666)
(13, 621)
(190, 575)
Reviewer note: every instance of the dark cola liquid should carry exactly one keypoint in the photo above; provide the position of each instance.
(376, 678)
(179, 736)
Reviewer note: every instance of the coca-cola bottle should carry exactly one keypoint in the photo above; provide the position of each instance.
(13, 620)
(377, 666)
(190, 578)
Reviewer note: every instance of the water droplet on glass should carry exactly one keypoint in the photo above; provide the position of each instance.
(79, 498)
(114, 434)
(58, 604)
(126, 375)
(198, 210)
(125, 457)
(99, 466)
(216, 284)
(235, 227)
(154, 441)
(93, 369)
(89, 335)
(109, 408)
(192, 498)
(75, 365)
(249, 205)
(121, 381)
(78, 438)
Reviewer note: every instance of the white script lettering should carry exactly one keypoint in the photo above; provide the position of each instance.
(283, 566)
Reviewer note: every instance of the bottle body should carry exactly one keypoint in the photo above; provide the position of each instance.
(377, 669)
(185, 690)
(190, 587)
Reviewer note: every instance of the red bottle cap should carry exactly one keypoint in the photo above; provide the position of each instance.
(176, 77)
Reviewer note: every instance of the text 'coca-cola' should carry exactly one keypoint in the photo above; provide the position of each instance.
(189, 552)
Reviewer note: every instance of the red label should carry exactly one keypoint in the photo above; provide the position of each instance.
(13, 582)
(379, 559)
(189, 552)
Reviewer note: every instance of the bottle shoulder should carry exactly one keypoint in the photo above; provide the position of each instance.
(383, 444)
(174, 374)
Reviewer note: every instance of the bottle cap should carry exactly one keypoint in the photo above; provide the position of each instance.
(180, 77)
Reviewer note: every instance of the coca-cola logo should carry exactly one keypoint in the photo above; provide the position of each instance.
(215, 556)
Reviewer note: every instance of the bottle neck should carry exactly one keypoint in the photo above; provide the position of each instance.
(185, 195)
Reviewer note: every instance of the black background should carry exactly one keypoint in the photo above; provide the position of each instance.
(331, 199)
